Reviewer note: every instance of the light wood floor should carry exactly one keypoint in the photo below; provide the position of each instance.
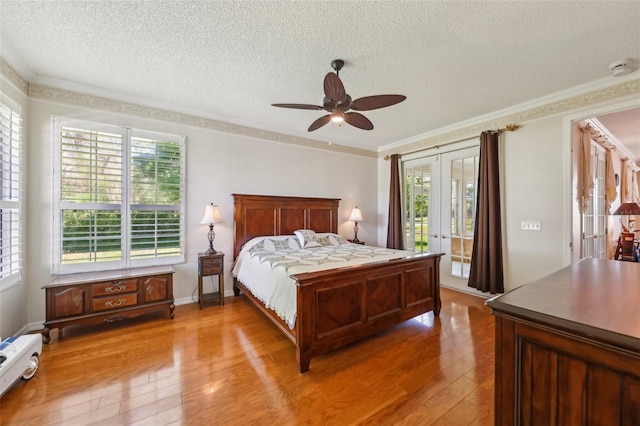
(229, 365)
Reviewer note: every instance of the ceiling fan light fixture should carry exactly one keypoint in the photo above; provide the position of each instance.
(338, 103)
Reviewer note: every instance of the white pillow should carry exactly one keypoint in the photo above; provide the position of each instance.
(307, 238)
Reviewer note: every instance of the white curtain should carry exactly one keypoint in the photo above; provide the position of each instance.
(626, 179)
(585, 177)
(610, 183)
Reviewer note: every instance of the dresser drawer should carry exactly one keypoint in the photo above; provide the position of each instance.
(109, 288)
(105, 303)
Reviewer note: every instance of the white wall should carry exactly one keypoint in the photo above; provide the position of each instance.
(535, 171)
(537, 176)
(218, 165)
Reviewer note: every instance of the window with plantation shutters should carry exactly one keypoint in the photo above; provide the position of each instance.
(11, 224)
(120, 200)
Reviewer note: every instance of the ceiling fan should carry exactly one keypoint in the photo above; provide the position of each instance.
(337, 102)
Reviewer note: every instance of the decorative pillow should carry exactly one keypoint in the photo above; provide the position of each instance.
(337, 240)
(281, 244)
(307, 238)
(272, 243)
(324, 240)
(268, 245)
(257, 247)
(330, 239)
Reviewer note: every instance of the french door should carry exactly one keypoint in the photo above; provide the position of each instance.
(440, 202)
(594, 220)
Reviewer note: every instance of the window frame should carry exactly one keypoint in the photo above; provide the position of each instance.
(125, 207)
(15, 276)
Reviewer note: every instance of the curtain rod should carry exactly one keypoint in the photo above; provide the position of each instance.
(507, 128)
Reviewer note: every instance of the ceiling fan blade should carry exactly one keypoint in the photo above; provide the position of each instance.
(358, 120)
(299, 106)
(374, 102)
(333, 88)
(319, 122)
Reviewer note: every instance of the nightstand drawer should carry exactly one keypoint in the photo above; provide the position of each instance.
(105, 303)
(211, 263)
(211, 271)
(115, 287)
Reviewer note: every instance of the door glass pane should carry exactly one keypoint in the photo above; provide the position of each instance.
(418, 192)
(463, 202)
(594, 232)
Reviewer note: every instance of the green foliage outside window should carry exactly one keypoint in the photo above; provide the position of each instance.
(92, 175)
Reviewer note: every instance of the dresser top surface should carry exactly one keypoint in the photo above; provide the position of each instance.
(89, 277)
(594, 297)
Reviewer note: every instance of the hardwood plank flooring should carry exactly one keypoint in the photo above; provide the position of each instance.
(229, 365)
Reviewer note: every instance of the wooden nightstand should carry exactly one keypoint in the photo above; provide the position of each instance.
(209, 265)
(359, 242)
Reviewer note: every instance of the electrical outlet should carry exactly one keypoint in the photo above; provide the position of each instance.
(530, 226)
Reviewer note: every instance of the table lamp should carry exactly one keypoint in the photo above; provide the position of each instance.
(356, 216)
(211, 217)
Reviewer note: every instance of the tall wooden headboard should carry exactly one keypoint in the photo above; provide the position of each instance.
(257, 215)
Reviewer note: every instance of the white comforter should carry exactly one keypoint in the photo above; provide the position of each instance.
(265, 264)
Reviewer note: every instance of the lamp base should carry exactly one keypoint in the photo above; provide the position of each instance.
(355, 234)
(210, 251)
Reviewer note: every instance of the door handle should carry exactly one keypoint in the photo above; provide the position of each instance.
(434, 235)
(444, 236)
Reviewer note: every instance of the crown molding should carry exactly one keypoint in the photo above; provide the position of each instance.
(16, 79)
(46, 93)
(561, 102)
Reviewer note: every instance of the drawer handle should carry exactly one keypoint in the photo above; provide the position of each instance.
(77, 299)
(119, 302)
(115, 318)
(149, 289)
(118, 289)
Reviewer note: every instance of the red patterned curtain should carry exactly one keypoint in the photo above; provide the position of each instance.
(486, 272)
(395, 231)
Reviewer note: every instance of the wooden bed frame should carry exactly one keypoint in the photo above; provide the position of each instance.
(339, 306)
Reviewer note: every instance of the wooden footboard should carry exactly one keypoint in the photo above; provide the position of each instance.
(340, 306)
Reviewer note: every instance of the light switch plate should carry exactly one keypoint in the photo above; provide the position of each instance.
(530, 226)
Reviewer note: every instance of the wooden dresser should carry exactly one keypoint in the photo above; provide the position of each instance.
(568, 347)
(108, 296)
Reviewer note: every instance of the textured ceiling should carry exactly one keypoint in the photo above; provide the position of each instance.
(229, 60)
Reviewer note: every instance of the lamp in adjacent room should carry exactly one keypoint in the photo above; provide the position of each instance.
(211, 217)
(356, 216)
(625, 246)
(627, 209)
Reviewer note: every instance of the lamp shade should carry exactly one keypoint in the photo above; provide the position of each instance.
(211, 215)
(356, 215)
(627, 209)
